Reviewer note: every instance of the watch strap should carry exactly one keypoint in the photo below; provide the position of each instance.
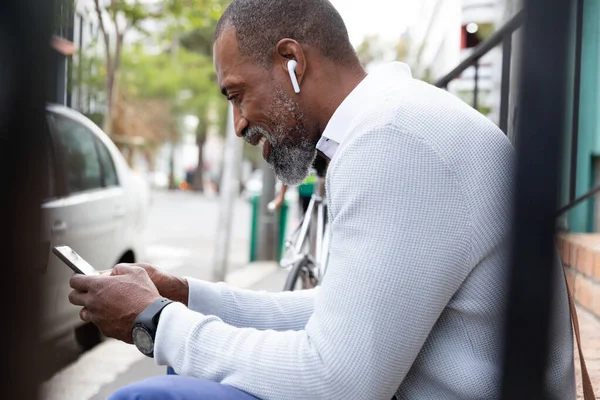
(149, 317)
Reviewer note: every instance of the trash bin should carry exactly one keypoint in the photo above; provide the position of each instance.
(282, 218)
(255, 204)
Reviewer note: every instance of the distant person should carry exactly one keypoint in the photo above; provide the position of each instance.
(419, 188)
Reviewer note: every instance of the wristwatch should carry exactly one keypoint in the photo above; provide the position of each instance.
(145, 326)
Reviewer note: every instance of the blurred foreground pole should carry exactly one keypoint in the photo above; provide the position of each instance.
(25, 32)
(230, 187)
(540, 127)
(268, 221)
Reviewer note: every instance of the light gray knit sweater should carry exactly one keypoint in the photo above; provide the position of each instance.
(413, 301)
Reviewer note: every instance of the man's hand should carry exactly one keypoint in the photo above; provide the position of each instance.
(113, 302)
(170, 286)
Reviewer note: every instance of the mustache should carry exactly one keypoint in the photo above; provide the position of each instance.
(250, 133)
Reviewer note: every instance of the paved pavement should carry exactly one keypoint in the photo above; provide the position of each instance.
(181, 233)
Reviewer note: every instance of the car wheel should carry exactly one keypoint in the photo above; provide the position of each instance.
(87, 336)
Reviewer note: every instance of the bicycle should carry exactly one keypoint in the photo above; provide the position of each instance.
(307, 251)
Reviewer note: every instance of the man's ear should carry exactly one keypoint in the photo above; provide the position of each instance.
(287, 50)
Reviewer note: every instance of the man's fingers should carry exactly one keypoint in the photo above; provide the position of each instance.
(85, 315)
(78, 298)
(82, 282)
(126, 269)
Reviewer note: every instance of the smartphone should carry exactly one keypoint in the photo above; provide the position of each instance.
(74, 260)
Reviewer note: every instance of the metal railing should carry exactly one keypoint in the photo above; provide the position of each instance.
(504, 37)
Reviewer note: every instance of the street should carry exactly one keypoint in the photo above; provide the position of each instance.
(181, 239)
(181, 233)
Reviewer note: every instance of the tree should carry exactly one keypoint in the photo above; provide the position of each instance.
(182, 79)
(197, 22)
(370, 49)
(175, 65)
(116, 18)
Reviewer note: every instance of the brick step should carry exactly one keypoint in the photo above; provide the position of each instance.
(580, 254)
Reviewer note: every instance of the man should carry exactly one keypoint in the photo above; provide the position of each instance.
(419, 189)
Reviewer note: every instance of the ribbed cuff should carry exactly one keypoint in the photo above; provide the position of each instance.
(174, 326)
(204, 297)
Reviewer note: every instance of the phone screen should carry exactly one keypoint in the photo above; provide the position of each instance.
(71, 258)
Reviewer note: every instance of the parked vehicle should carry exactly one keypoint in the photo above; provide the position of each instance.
(95, 204)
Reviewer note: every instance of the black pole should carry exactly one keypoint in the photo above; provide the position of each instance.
(576, 98)
(476, 86)
(542, 108)
(505, 85)
(25, 29)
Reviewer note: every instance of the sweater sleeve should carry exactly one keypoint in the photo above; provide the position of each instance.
(400, 250)
(251, 309)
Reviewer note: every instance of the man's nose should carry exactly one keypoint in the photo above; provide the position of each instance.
(239, 122)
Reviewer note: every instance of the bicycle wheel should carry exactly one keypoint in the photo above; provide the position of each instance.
(301, 276)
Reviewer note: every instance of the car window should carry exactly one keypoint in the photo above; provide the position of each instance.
(109, 174)
(50, 188)
(80, 155)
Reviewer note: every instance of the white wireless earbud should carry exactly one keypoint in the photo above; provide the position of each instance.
(292, 70)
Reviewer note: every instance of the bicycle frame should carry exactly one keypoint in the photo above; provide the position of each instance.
(319, 247)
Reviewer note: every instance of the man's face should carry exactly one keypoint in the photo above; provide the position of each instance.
(265, 111)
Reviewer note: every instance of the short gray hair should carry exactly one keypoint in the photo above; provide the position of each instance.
(261, 24)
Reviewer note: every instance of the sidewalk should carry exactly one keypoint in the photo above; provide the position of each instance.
(590, 341)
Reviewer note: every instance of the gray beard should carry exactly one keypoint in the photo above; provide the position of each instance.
(290, 162)
(292, 151)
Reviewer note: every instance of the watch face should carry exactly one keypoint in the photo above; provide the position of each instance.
(143, 341)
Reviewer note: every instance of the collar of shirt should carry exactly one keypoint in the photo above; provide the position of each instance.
(338, 128)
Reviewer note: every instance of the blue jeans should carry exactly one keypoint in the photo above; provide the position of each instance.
(174, 387)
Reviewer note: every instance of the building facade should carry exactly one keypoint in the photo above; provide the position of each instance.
(75, 52)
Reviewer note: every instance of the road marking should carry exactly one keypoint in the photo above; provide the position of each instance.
(100, 366)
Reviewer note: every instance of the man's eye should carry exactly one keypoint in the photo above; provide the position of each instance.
(232, 97)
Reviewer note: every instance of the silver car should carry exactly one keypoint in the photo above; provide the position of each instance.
(96, 205)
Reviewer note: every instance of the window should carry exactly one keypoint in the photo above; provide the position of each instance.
(80, 156)
(109, 174)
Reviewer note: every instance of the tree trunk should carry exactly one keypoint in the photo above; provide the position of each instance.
(112, 69)
(172, 185)
(198, 184)
(107, 123)
(130, 155)
(150, 156)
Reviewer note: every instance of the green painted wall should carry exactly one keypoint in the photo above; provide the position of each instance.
(566, 146)
(581, 219)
